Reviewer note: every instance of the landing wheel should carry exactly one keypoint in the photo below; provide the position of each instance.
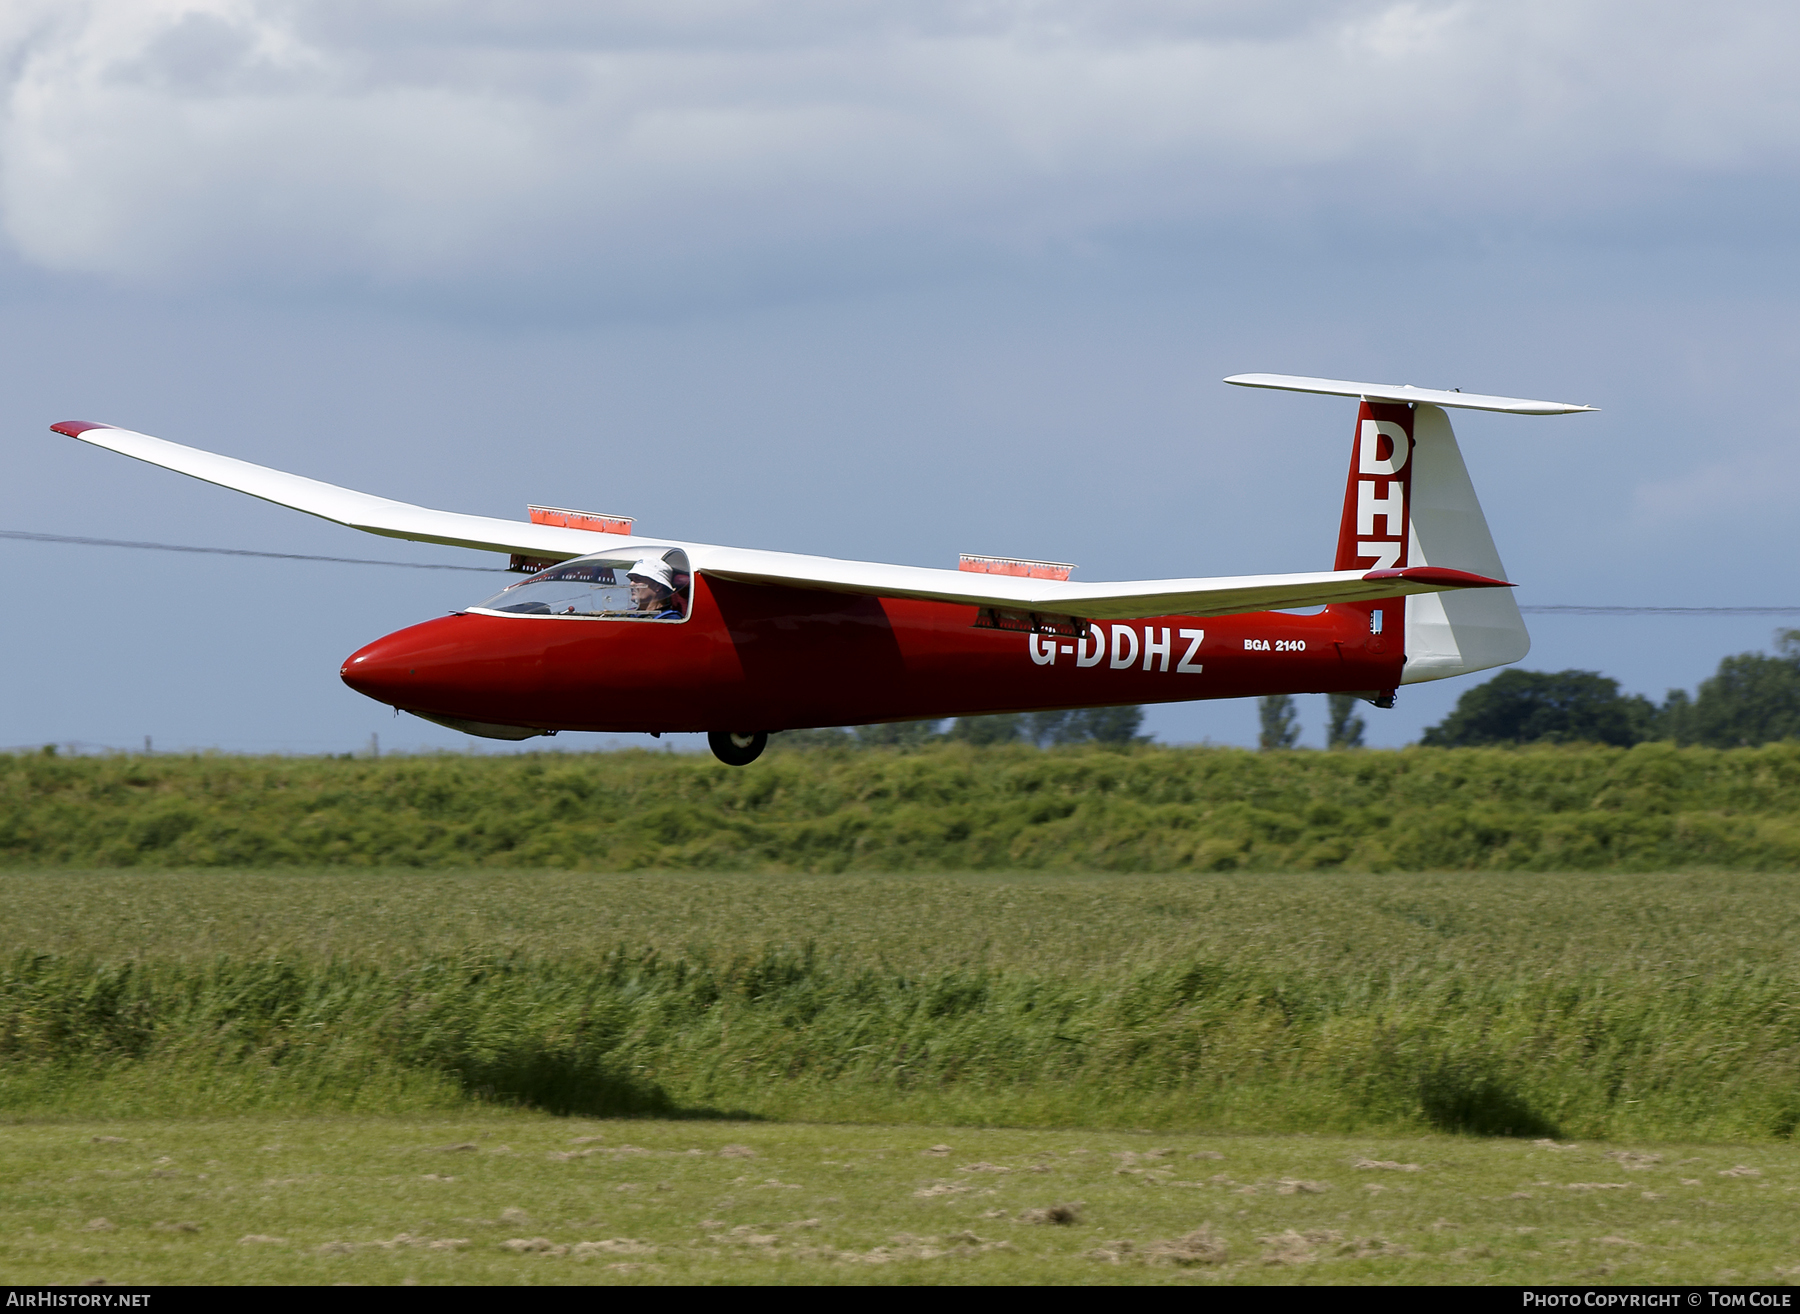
(736, 749)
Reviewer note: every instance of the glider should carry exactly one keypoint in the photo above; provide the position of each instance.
(611, 630)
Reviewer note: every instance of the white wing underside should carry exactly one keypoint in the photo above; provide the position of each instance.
(1117, 601)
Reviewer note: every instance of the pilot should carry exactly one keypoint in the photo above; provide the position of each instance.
(653, 589)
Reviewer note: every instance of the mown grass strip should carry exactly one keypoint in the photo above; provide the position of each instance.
(517, 1198)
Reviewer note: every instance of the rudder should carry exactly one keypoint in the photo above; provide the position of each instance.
(1471, 629)
(1372, 532)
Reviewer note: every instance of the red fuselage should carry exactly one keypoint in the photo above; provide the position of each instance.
(755, 657)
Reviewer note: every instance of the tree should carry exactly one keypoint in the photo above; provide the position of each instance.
(983, 730)
(1084, 725)
(1752, 699)
(1562, 707)
(1345, 727)
(897, 734)
(1111, 725)
(824, 737)
(1280, 723)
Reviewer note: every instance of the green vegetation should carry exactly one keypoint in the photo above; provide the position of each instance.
(517, 1199)
(414, 1063)
(1540, 1006)
(1753, 699)
(946, 807)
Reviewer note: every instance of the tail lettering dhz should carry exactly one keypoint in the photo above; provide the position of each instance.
(1372, 534)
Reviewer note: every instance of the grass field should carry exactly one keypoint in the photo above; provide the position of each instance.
(525, 1198)
(1600, 1005)
(947, 808)
(216, 1076)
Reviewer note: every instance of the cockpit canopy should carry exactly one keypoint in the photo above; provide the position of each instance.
(651, 584)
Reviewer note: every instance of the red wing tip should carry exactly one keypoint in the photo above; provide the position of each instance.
(75, 428)
(1441, 575)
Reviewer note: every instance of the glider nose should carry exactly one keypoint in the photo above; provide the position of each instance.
(381, 670)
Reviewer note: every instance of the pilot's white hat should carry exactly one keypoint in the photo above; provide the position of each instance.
(655, 571)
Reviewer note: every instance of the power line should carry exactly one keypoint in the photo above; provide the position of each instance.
(1661, 611)
(227, 552)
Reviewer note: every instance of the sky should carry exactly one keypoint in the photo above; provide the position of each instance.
(888, 281)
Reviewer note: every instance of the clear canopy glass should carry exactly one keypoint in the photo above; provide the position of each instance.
(649, 586)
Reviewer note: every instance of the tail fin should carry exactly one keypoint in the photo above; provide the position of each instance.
(1453, 634)
(1410, 503)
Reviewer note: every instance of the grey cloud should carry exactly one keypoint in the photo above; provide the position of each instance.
(198, 53)
(550, 146)
(757, 24)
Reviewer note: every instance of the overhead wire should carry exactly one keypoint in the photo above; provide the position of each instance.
(1577, 610)
(229, 552)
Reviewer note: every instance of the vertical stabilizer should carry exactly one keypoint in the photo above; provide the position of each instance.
(1372, 531)
(1472, 629)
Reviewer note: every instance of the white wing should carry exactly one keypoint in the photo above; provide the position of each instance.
(1220, 596)
(376, 515)
(1169, 597)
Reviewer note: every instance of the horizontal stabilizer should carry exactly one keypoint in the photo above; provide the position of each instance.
(1405, 392)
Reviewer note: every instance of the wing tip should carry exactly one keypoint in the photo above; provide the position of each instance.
(1461, 579)
(75, 428)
